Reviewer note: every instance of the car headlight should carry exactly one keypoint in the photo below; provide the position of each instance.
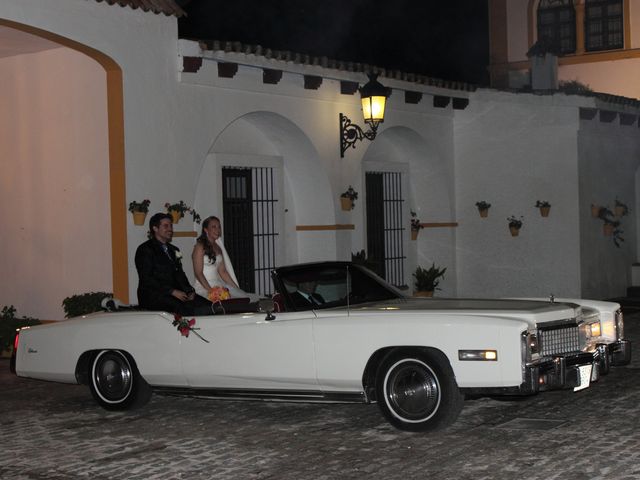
(589, 332)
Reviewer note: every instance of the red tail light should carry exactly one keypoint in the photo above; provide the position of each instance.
(12, 363)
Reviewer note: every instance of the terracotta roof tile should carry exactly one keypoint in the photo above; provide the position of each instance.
(168, 7)
(305, 59)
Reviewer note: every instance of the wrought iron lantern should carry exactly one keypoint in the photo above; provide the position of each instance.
(374, 97)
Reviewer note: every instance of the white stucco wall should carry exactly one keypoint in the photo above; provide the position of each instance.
(54, 198)
(507, 149)
(511, 154)
(609, 159)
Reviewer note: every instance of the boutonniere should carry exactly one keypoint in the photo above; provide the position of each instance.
(178, 255)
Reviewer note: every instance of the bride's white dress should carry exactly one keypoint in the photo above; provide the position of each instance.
(212, 274)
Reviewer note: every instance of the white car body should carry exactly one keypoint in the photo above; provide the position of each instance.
(334, 353)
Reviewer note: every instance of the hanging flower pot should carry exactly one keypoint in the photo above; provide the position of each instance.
(544, 207)
(177, 211)
(348, 198)
(515, 225)
(416, 226)
(608, 229)
(139, 211)
(483, 208)
(620, 209)
(175, 216)
(139, 217)
(345, 203)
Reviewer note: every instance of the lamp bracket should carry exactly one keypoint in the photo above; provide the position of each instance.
(350, 133)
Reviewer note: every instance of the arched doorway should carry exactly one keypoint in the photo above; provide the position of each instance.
(64, 142)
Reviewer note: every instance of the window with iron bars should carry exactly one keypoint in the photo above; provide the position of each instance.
(250, 232)
(603, 26)
(385, 232)
(557, 24)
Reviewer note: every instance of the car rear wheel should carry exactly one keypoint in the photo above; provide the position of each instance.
(116, 383)
(417, 391)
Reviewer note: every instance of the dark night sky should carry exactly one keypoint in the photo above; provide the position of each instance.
(440, 38)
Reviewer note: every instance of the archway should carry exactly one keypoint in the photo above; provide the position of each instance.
(269, 140)
(113, 150)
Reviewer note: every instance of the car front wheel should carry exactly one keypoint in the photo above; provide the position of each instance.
(116, 383)
(417, 391)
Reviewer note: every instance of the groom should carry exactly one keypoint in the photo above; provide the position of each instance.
(163, 284)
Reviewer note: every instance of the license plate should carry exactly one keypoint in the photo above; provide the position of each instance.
(585, 377)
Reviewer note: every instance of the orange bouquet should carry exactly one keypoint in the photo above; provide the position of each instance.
(217, 294)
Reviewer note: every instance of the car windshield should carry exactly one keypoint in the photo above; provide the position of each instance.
(321, 286)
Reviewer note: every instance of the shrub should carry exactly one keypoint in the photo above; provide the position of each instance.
(84, 303)
(9, 323)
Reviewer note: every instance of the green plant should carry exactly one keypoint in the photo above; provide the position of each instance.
(607, 217)
(416, 226)
(84, 303)
(428, 279)
(482, 205)
(182, 208)
(573, 87)
(9, 323)
(621, 208)
(542, 204)
(351, 194)
(360, 258)
(142, 206)
(515, 222)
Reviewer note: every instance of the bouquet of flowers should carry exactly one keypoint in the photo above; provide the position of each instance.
(217, 294)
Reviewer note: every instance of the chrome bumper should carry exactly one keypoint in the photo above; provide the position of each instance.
(620, 352)
(575, 371)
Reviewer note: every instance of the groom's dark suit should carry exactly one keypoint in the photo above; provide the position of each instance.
(160, 273)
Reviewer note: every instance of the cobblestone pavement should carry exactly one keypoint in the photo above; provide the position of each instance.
(57, 432)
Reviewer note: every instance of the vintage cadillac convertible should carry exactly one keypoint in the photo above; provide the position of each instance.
(336, 332)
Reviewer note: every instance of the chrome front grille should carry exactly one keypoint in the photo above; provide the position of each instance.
(559, 339)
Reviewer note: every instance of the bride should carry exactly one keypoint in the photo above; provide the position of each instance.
(211, 264)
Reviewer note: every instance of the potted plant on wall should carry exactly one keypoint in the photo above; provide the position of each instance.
(139, 211)
(416, 226)
(609, 225)
(515, 224)
(483, 208)
(544, 207)
(348, 198)
(177, 211)
(427, 280)
(620, 209)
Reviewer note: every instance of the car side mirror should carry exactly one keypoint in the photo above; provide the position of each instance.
(266, 305)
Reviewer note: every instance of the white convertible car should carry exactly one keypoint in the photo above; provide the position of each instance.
(336, 332)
